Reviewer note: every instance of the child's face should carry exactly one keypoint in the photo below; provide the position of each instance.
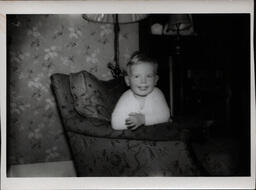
(141, 79)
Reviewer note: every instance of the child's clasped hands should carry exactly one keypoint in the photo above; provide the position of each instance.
(135, 120)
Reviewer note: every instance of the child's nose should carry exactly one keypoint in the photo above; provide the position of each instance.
(143, 79)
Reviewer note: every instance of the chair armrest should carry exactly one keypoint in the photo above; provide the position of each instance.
(101, 128)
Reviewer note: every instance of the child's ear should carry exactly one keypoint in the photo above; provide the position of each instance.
(127, 80)
(156, 79)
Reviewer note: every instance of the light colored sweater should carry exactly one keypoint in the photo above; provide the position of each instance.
(155, 109)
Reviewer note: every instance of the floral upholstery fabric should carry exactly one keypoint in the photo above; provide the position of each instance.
(92, 97)
(98, 150)
(122, 157)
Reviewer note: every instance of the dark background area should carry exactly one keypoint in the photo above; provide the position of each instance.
(211, 75)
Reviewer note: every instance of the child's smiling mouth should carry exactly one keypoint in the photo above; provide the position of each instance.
(143, 88)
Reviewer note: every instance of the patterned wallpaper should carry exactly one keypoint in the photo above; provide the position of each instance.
(39, 45)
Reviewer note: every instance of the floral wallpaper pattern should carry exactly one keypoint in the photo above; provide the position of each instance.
(38, 46)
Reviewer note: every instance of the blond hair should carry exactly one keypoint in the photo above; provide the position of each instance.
(138, 58)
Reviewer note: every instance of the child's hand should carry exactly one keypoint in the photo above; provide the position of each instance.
(135, 120)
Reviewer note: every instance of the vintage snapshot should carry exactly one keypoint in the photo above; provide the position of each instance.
(129, 96)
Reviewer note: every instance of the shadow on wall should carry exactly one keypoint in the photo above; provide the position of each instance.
(38, 46)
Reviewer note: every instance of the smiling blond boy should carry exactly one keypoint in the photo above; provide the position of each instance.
(143, 103)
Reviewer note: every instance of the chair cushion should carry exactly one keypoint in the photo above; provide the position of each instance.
(92, 97)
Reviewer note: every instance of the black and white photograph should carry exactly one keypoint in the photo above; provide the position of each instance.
(131, 95)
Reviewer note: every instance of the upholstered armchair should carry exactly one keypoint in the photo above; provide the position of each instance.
(85, 105)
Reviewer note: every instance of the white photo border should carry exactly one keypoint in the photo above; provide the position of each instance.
(138, 6)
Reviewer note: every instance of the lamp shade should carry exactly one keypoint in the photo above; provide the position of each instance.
(114, 18)
(179, 23)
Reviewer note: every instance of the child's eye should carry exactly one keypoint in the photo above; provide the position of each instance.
(136, 76)
(149, 76)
